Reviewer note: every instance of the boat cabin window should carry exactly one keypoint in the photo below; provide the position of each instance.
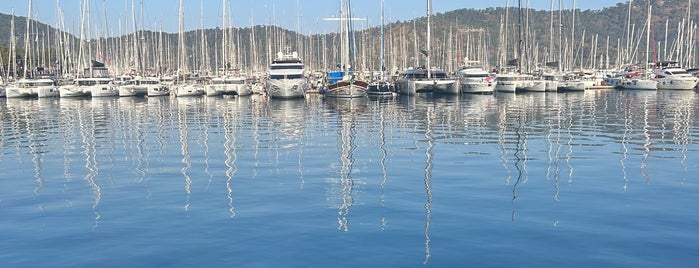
(291, 76)
(234, 82)
(676, 72)
(439, 75)
(286, 67)
(415, 75)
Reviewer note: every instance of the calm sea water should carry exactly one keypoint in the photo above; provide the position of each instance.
(600, 178)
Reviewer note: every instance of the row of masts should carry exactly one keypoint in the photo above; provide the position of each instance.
(399, 48)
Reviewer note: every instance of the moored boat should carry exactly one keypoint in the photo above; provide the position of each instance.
(286, 78)
(476, 80)
(671, 76)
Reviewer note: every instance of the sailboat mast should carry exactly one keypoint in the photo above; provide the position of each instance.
(648, 37)
(383, 46)
(519, 35)
(429, 51)
(89, 36)
(26, 41)
(180, 42)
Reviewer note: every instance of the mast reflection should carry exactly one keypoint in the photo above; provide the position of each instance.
(384, 155)
(429, 155)
(88, 124)
(347, 110)
(230, 131)
(182, 116)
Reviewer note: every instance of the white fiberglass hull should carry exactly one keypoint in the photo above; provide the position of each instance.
(472, 87)
(188, 90)
(535, 86)
(640, 84)
(13, 91)
(287, 88)
(683, 83)
(506, 86)
(99, 91)
(47, 92)
(157, 91)
(72, 91)
(447, 86)
(132, 90)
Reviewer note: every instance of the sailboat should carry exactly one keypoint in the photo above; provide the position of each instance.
(31, 85)
(185, 87)
(640, 80)
(381, 86)
(426, 79)
(344, 83)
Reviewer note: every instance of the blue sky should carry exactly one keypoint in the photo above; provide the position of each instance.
(284, 13)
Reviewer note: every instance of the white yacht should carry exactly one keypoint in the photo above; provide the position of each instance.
(637, 79)
(29, 88)
(95, 82)
(552, 81)
(143, 86)
(228, 85)
(286, 77)
(474, 79)
(671, 76)
(414, 81)
(188, 88)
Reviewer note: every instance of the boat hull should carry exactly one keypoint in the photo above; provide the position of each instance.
(12, 92)
(677, 84)
(447, 86)
(347, 89)
(72, 91)
(640, 84)
(188, 91)
(287, 88)
(99, 91)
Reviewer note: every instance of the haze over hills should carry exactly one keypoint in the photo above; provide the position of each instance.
(404, 39)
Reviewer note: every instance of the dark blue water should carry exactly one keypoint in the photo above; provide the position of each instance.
(600, 178)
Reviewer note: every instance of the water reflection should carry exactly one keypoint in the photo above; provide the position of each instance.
(505, 142)
(429, 155)
(347, 111)
(186, 107)
(229, 145)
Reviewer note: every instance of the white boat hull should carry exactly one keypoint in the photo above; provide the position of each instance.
(72, 91)
(213, 90)
(640, 84)
(506, 86)
(535, 86)
(551, 86)
(99, 91)
(572, 86)
(188, 91)
(16, 92)
(157, 91)
(287, 88)
(677, 84)
(132, 90)
(447, 86)
(47, 92)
